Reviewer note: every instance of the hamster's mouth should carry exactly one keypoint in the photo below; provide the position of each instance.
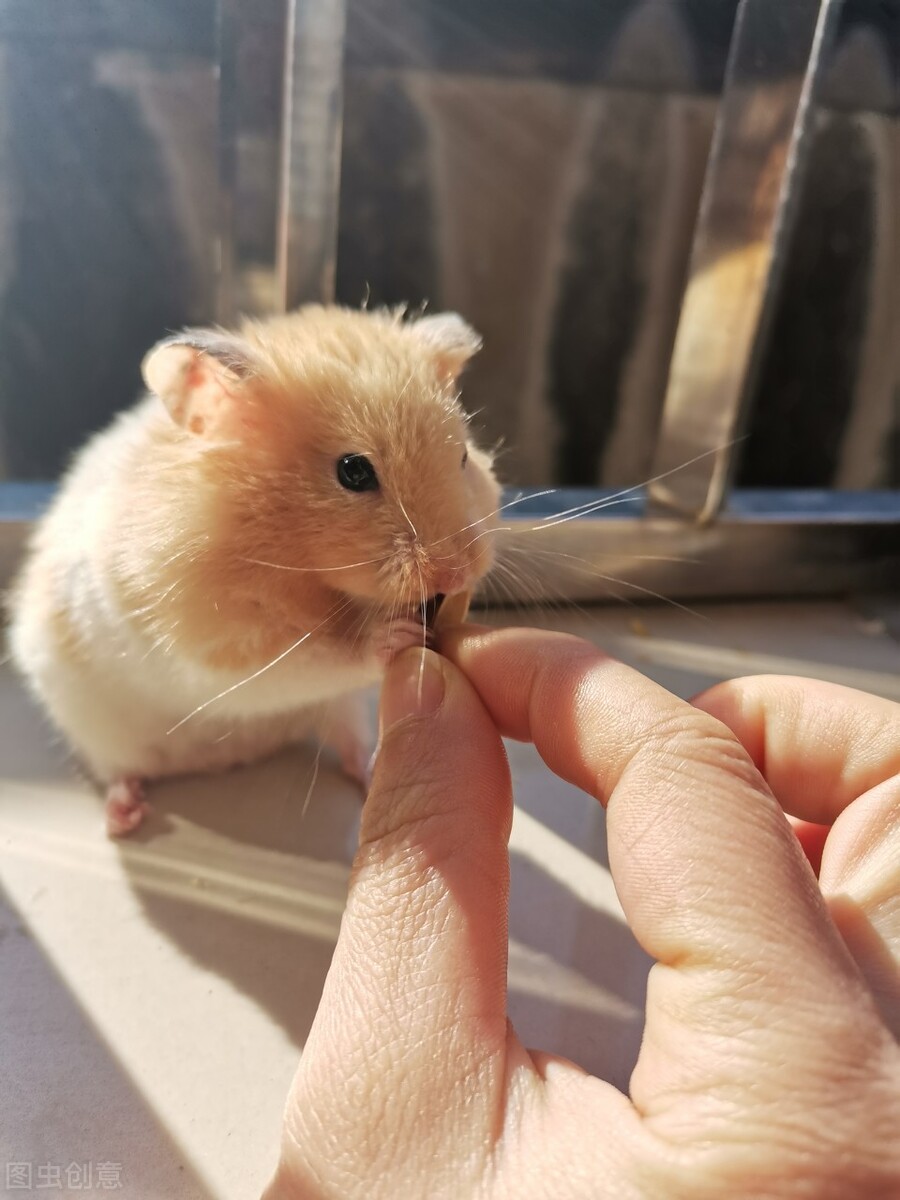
(425, 616)
(422, 614)
(421, 624)
(414, 626)
(429, 610)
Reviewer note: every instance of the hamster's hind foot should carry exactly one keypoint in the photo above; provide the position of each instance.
(125, 806)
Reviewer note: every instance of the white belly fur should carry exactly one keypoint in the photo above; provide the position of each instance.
(136, 709)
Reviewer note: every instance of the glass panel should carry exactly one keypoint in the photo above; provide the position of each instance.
(536, 166)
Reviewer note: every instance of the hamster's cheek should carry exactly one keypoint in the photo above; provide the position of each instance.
(485, 488)
(485, 504)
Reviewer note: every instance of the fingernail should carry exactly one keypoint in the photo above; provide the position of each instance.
(413, 687)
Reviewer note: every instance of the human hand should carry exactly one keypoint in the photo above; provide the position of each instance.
(766, 1068)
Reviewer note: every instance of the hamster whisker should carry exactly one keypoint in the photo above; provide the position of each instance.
(550, 522)
(366, 562)
(477, 538)
(520, 575)
(586, 569)
(421, 682)
(506, 581)
(520, 499)
(536, 594)
(524, 592)
(548, 553)
(358, 628)
(415, 532)
(312, 782)
(624, 496)
(546, 522)
(594, 505)
(585, 510)
(334, 612)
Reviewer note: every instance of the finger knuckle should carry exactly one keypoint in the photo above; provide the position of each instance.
(692, 743)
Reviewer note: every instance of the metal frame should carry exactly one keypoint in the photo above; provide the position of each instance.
(684, 536)
(228, 16)
(749, 199)
(311, 151)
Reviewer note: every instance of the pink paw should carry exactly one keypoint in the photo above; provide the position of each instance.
(125, 806)
(400, 635)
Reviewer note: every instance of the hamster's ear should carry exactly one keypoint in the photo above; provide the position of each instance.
(200, 376)
(451, 338)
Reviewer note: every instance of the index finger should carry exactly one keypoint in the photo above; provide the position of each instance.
(704, 862)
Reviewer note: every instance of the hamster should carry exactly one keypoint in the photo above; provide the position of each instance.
(232, 560)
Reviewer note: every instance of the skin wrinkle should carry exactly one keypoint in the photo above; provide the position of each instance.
(358, 1096)
(688, 895)
(796, 1132)
(408, 822)
(830, 1069)
(569, 1146)
(715, 1168)
(403, 860)
(312, 1185)
(688, 900)
(713, 995)
(859, 850)
(390, 1102)
(397, 979)
(817, 712)
(411, 882)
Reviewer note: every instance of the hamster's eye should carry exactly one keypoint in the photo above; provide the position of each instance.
(465, 457)
(356, 473)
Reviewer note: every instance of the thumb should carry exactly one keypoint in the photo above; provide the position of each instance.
(414, 1007)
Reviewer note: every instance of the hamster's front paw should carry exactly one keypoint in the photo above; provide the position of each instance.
(396, 636)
